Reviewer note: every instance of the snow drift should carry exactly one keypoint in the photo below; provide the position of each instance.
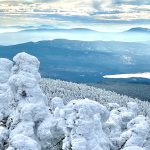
(29, 121)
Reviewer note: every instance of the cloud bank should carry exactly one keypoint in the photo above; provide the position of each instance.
(91, 11)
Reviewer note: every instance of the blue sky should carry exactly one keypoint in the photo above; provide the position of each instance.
(104, 15)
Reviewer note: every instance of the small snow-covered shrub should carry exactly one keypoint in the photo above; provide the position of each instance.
(56, 115)
(124, 125)
(137, 133)
(82, 122)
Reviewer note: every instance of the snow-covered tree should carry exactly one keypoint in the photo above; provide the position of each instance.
(30, 124)
(82, 122)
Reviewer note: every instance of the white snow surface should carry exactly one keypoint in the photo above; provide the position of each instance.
(56, 115)
(145, 75)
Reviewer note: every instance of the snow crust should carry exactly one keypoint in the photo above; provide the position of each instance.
(29, 121)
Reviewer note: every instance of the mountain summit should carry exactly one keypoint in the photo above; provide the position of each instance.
(139, 29)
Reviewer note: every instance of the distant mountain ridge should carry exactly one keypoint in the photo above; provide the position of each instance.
(59, 30)
(84, 61)
(83, 34)
(101, 46)
(139, 30)
(52, 29)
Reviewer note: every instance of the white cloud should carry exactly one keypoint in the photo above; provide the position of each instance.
(118, 10)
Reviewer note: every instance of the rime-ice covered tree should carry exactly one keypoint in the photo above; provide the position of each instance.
(82, 122)
(5, 99)
(29, 123)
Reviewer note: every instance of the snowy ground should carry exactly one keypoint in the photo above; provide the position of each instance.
(145, 75)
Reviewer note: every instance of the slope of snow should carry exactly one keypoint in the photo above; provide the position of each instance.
(71, 91)
(145, 75)
(30, 120)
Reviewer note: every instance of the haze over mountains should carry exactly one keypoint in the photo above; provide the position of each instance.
(72, 30)
(53, 29)
(34, 34)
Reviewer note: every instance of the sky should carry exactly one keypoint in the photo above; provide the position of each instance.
(101, 15)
